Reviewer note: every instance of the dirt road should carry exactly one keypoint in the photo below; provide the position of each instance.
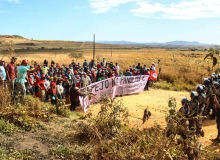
(157, 103)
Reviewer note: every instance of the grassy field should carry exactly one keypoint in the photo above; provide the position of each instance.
(181, 70)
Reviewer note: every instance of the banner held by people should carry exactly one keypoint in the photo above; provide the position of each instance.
(113, 87)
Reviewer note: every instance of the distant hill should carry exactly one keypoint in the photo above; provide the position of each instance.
(11, 36)
(194, 43)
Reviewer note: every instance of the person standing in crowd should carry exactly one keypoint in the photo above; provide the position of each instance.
(147, 72)
(53, 90)
(74, 96)
(153, 67)
(45, 69)
(41, 86)
(85, 64)
(47, 88)
(52, 63)
(86, 80)
(128, 73)
(117, 67)
(2, 74)
(218, 118)
(11, 74)
(46, 63)
(66, 85)
(36, 81)
(104, 62)
(21, 79)
(60, 90)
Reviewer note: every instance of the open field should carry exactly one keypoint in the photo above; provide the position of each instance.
(181, 70)
(58, 134)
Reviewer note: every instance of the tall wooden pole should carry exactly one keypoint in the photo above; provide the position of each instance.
(94, 47)
(111, 51)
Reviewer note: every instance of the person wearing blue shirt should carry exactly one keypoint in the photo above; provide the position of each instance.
(21, 77)
(85, 64)
(2, 74)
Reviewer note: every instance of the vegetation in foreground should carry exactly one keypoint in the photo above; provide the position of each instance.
(105, 136)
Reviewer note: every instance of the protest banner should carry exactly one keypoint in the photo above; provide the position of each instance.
(113, 87)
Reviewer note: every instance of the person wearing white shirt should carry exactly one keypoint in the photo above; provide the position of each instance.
(117, 67)
(153, 67)
(86, 80)
(60, 90)
(47, 88)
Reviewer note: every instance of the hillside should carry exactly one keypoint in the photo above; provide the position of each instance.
(22, 43)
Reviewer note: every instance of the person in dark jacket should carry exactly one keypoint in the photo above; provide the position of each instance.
(218, 118)
(74, 96)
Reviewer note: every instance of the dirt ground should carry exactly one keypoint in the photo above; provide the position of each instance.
(157, 102)
(41, 142)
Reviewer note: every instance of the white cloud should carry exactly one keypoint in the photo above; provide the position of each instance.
(13, 1)
(102, 6)
(187, 10)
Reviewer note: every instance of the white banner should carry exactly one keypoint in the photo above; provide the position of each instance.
(113, 87)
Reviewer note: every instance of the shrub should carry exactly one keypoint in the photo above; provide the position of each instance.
(107, 136)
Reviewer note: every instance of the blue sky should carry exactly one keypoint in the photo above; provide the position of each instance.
(113, 20)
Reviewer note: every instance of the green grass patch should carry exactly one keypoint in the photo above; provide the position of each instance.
(7, 128)
(175, 86)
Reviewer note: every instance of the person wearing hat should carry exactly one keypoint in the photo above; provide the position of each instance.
(21, 77)
(153, 67)
(11, 75)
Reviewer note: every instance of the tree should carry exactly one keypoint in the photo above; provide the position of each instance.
(214, 53)
(6, 48)
(75, 55)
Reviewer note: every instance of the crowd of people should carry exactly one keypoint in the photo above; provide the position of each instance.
(204, 103)
(52, 81)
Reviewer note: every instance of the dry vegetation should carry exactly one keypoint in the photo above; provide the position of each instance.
(181, 70)
(105, 136)
(34, 130)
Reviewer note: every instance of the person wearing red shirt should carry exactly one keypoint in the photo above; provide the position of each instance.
(30, 84)
(42, 87)
(53, 90)
(98, 66)
(11, 75)
(36, 81)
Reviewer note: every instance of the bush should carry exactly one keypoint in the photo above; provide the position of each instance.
(6, 127)
(107, 136)
(26, 115)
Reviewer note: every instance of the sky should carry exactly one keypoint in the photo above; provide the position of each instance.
(112, 20)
